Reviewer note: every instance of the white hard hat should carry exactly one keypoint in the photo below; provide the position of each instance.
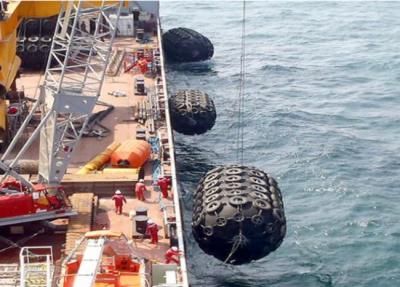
(174, 248)
(141, 180)
(117, 191)
(150, 221)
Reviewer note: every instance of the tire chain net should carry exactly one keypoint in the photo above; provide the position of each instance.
(238, 214)
(192, 112)
(186, 45)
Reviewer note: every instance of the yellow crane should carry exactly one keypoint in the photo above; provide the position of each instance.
(69, 92)
(11, 15)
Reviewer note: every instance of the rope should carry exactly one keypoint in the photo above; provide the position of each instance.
(19, 243)
(240, 109)
(238, 241)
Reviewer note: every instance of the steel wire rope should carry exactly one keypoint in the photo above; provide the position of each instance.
(241, 93)
(240, 238)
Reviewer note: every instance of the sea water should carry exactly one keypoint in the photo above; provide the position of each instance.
(322, 115)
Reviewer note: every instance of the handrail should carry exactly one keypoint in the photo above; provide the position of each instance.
(179, 222)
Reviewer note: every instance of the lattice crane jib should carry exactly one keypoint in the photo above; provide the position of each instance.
(72, 86)
(73, 79)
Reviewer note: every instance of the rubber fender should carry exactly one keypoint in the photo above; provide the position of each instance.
(45, 39)
(192, 112)
(31, 48)
(20, 49)
(32, 27)
(21, 40)
(238, 214)
(49, 25)
(44, 49)
(186, 45)
(21, 46)
(35, 52)
(33, 39)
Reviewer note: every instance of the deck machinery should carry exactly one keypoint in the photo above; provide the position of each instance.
(69, 91)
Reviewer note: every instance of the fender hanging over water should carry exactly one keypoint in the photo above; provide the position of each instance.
(192, 112)
(238, 214)
(186, 45)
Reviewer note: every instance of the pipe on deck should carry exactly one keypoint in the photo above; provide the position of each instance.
(24, 166)
(101, 159)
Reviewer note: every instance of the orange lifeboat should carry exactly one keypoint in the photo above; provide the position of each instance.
(131, 153)
(108, 260)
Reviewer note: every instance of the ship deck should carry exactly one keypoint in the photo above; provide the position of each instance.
(122, 123)
(107, 218)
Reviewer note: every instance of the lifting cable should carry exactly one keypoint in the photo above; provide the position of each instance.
(240, 239)
(240, 107)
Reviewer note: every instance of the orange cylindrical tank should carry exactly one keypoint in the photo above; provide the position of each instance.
(131, 153)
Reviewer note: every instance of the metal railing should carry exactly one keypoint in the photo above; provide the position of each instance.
(36, 266)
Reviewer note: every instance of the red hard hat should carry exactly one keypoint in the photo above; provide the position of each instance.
(12, 110)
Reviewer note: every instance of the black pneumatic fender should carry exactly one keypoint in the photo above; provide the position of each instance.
(32, 48)
(32, 27)
(20, 46)
(48, 25)
(46, 39)
(186, 45)
(192, 112)
(238, 214)
(34, 41)
(45, 45)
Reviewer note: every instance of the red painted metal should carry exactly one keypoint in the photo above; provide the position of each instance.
(18, 201)
(15, 205)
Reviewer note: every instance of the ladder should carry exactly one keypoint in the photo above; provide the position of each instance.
(72, 83)
(36, 269)
(90, 263)
(9, 275)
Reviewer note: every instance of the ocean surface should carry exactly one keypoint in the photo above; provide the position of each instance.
(322, 115)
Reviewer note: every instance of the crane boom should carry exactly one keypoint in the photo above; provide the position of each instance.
(73, 80)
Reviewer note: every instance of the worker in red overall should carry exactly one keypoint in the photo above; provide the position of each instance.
(163, 183)
(152, 230)
(172, 254)
(140, 188)
(142, 64)
(119, 201)
(169, 181)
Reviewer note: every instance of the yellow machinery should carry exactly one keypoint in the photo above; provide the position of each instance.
(16, 11)
(12, 14)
